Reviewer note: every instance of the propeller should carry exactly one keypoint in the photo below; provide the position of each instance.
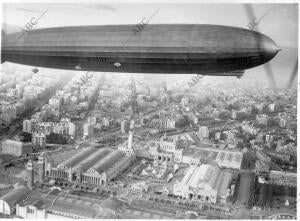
(254, 25)
(293, 75)
(270, 74)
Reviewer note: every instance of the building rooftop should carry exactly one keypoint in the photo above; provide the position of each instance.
(219, 155)
(200, 153)
(107, 162)
(14, 195)
(74, 207)
(57, 158)
(14, 142)
(61, 202)
(4, 192)
(89, 161)
(207, 177)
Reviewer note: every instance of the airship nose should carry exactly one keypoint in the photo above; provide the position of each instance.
(268, 47)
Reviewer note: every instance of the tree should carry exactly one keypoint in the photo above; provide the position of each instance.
(25, 137)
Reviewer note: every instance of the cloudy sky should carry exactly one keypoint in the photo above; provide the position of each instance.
(278, 21)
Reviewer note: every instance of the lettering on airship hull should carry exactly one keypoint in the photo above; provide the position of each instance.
(100, 59)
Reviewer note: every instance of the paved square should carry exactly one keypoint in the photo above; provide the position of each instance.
(147, 215)
(79, 201)
(128, 211)
(137, 213)
(69, 200)
(155, 216)
(88, 203)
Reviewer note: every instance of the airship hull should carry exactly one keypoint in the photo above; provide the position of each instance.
(202, 49)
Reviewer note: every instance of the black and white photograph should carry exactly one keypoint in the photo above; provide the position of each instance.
(148, 109)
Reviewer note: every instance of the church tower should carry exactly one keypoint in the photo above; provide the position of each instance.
(41, 168)
(130, 140)
(30, 175)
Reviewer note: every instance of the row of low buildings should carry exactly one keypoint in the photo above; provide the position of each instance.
(283, 121)
(283, 178)
(64, 127)
(40, 130)
(16, 148)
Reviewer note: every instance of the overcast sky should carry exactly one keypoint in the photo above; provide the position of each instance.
(280, 23)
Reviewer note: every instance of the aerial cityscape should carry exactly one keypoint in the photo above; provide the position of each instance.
(80, 143)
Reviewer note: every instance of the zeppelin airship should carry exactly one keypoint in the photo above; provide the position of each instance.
(158, 48)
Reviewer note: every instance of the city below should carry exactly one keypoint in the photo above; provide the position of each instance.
(85, 145)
